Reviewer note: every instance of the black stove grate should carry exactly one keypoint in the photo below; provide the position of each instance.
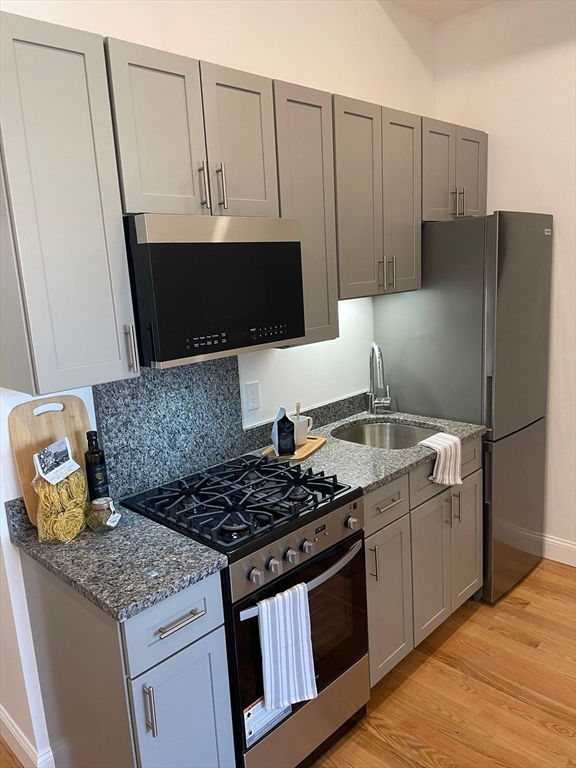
(233, 503)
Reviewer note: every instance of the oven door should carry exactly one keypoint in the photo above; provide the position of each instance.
(336, 582)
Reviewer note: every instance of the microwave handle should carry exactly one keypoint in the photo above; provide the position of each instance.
(250, 613)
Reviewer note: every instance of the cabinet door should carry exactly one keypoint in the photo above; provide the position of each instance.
(181, 709)
(239, 120)
(389, 587)
(466, 539)
(306, 182)
(358, 152)
(66, 217)
(430, 527)
(439, 199)
(159, 129)
(402, 158)
(471, 171)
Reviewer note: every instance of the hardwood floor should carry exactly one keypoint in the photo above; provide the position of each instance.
(7, 757)
(493, 687)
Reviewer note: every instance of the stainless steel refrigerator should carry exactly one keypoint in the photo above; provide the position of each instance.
(472, 345)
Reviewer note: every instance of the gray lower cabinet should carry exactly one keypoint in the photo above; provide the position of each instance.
(402, 158)
(306, 183)
(358, 153)
(67, 317)
(466, 539)
(454, 171)
(159, 127)
(446, 553)
(389, 590)
(181, 709)
(432, 592)
(150, 692)
(240, 139)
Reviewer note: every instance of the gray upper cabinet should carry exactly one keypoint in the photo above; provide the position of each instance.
(430, 530)
(240, 139)
(306, 183)
(402, 158)
(439, 197)
(466, 539)
(181, 709)
(389, 591)
(159, 129)
(358, 153)
(454, 171)
(471, 171)
(66, 263)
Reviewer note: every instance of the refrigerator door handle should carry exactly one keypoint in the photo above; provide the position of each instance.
(489, 402)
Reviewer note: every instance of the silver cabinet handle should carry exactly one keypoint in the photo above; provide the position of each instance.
(152, 724)
(202, 170)
(394, 273)
(450, 520)
(456, 209)
(381, 286)
(194, 614)
(462, 193)
(380, 510)
(222, 172)
(376, 561)
(133, 364)
(457, 515)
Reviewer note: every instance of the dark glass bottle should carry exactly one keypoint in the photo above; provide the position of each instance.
(95, 468)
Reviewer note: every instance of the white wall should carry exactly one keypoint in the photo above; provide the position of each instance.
(21, 714)
(353, 47)
(311, 375)
(510, 69)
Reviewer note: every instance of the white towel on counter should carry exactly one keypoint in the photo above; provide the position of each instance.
(286, 643)
(448, 458)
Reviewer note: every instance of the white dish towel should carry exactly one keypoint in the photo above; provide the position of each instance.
(286, 643)
(448, 458)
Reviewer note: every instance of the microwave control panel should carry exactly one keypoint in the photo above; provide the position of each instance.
(204, 345)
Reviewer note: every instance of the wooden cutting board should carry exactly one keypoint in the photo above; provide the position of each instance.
(39, 423)
(313, 443)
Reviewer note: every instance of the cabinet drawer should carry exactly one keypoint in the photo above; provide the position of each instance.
(385, 504)
(422, 489)
(164, 629)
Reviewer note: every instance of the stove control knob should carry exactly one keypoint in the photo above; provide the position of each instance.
(257, 576)
(292, 556)
(308, 547)
(274, 565)
(352, 522)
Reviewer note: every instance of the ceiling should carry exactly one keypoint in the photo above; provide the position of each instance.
(441, 10)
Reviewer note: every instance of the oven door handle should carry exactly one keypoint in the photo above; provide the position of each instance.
(250, 613)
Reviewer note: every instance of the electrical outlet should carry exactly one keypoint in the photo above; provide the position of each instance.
(252, 396)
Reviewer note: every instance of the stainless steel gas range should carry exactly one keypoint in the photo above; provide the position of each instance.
(279, 526)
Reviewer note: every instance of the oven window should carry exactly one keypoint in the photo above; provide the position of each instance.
(337, 616)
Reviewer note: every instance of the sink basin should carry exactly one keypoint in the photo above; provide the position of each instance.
(384, 435)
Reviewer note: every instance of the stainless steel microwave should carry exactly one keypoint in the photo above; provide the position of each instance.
(211, 286)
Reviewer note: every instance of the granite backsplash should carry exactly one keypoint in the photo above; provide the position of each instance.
(169, 423)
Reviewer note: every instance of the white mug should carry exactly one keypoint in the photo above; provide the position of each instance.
(302, 425)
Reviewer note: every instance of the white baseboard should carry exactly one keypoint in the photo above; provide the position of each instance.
(21, 745)
(561, 550)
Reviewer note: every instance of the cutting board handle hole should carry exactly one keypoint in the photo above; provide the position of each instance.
(48, 407)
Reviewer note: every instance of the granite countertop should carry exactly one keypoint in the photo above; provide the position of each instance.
(141, 562)
(124, 571)
(370, 468)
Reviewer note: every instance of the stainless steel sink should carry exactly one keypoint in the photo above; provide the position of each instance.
(384, 435)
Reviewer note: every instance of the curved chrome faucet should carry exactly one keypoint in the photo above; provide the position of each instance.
(375, 403)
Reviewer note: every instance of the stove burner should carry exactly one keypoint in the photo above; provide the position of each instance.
(235, 502)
